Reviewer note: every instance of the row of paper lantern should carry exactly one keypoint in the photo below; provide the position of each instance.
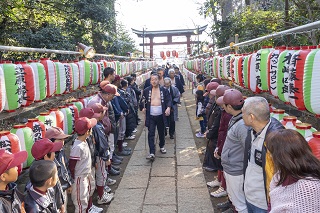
(174, 54)
(291, 74)
(141, 78)
(23, 83)
(311, 135)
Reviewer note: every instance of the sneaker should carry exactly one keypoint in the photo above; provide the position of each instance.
(135, 130)
(214, 183)
(106, 198)
(125, 144)
(199, 135)
(95, 209)
(131, 137)
(111, 182)
(150, 157)
(163, 150)
(219, 193)
(107, 189)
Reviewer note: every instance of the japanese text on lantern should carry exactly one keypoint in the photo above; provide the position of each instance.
(273, 69)
(292, 77)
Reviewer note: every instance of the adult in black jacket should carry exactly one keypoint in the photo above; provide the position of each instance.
(179, 74)
(175, 81)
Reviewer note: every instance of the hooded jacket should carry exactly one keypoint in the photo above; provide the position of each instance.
(11, 200)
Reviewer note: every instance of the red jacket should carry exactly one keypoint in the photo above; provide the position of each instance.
(223, 130)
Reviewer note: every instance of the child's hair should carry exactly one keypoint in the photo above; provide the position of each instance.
(41, 171)
(200, 77)
(199, 94)
(124, 83)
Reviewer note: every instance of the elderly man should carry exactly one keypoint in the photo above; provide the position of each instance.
(233, 149)
(257, 169)
(156, 103)
(175, 81)
(175, 98)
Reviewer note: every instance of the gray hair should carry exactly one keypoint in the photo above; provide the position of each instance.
(167, 80)
(171, 70)
(258, 106)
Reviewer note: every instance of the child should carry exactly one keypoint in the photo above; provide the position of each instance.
(10, 197)
(80, 165)
(44, 149)
(103, 153)
(39, 197)
(200, 113)
(56, 134)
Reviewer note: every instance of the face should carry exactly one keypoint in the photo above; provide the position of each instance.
(246, 118)
(167, 84)
(161, 73)
(154, 81)
(53, 180)
(171, 75)
(176, 71)
(111, 77)
(59, 140)
(11, 175)
(51, 158)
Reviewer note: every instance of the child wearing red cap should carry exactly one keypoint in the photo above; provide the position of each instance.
(102, 158)
(40, 196)
(10, 198)
(80, 165)
(45, 149)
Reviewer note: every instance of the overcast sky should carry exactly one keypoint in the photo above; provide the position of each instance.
(161, 15)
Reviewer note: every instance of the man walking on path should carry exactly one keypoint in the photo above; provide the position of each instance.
(156, 103)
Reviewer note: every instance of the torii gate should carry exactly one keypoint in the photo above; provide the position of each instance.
(169, 34)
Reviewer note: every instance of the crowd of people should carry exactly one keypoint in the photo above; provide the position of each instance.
(97, 148)
(262, 167)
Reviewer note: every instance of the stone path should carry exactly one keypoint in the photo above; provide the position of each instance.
(174, 182)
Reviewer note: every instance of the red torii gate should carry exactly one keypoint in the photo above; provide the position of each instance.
(169, 34)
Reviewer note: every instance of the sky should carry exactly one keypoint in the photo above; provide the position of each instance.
(161, 15)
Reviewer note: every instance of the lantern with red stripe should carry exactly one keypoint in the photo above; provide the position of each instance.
(47, 119)
(25, 136)
(314, 144)
(273, 59)
(78, 104)
(252, 75)
(289, 122)
(74, 112)
(11, 143)
(161, 54)
(38, 128)
(305, 129)
(296, 73)
(168, 53)
(61, 77)
(262, 67)
(58, 117)
(174, 53)
(28, 81)
(51, 76)
(246, 71)
(40, 81)
(69, 77)
(278, 114)
(75, 76)
(68, 120)
(95, 73)
(177, 54)
(2, 90)
(227, 66)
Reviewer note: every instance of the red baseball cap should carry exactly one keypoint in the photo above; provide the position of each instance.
(83, 124)
(117, 78)
(109, 88)
(97, 108)
(211, 86)
(44, 146)
(56, 133)
(231, 96)
(220, 90)
(9, 160)
(86, 112)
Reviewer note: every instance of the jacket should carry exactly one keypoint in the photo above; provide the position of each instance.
(178, 84)
(213, 123)
(181, 78)
(102, 145)
(267, 163)
(11, 200)
(146, 103)
(223, 130)
(147, 83)
(37, 203)
(132, 96)
(63, 170)
(175, 98)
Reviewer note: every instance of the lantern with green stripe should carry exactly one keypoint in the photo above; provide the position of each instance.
(51, 76)
(25, 136)
(38, 128)
(75, 76)
(75, 114)
(278, 114)
(85, 77)
(311, 82)
(283, 73)
(61, 77)
(69, 77)
(57, 116)
(118, 67)
(13, 79)
(273, 60)
(68, 120)
(95, 73)
(78, 104)
(305, 129)
(252, 75)
(101, 68)
(262, 67)
(28, 81)
(246, 71)
(47, 119)
(40, 81)
(3, 97)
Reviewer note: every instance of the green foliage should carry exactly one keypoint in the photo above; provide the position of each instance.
(61, 24)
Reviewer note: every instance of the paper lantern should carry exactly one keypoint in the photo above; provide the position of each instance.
(100, 71)
(11, 143)
(75, 76)
(177, 54)
(296, 73)
(220, 67)
(273, 60)
(278, 114)
(238, 70)
(117, 67)
(174, 53)
(311, 82)
(14, 86)
(215, 66)
(95, 73)
(252, 75)
(78, 104)
(69, 77)
(47, 119)
(75, 114)
(51, 75)
(28, 81)
(246, 71)
(305, 129)
(168, 53)
(3, 97)
(57, 116)
(289, 122)
(314, 144)
(67, 121)
(262, 67)
(227, 66)
(25, 136)
(40, 81)
(38, 128)
(61, 77)
(282, 78)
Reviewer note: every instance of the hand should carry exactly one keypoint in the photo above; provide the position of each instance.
(167, 112)
(215, 154)
(108, 162)
(144, 110)
(69, 190)
(62, 210)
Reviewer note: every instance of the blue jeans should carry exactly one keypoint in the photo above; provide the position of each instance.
(203, 124)
(254, 209)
